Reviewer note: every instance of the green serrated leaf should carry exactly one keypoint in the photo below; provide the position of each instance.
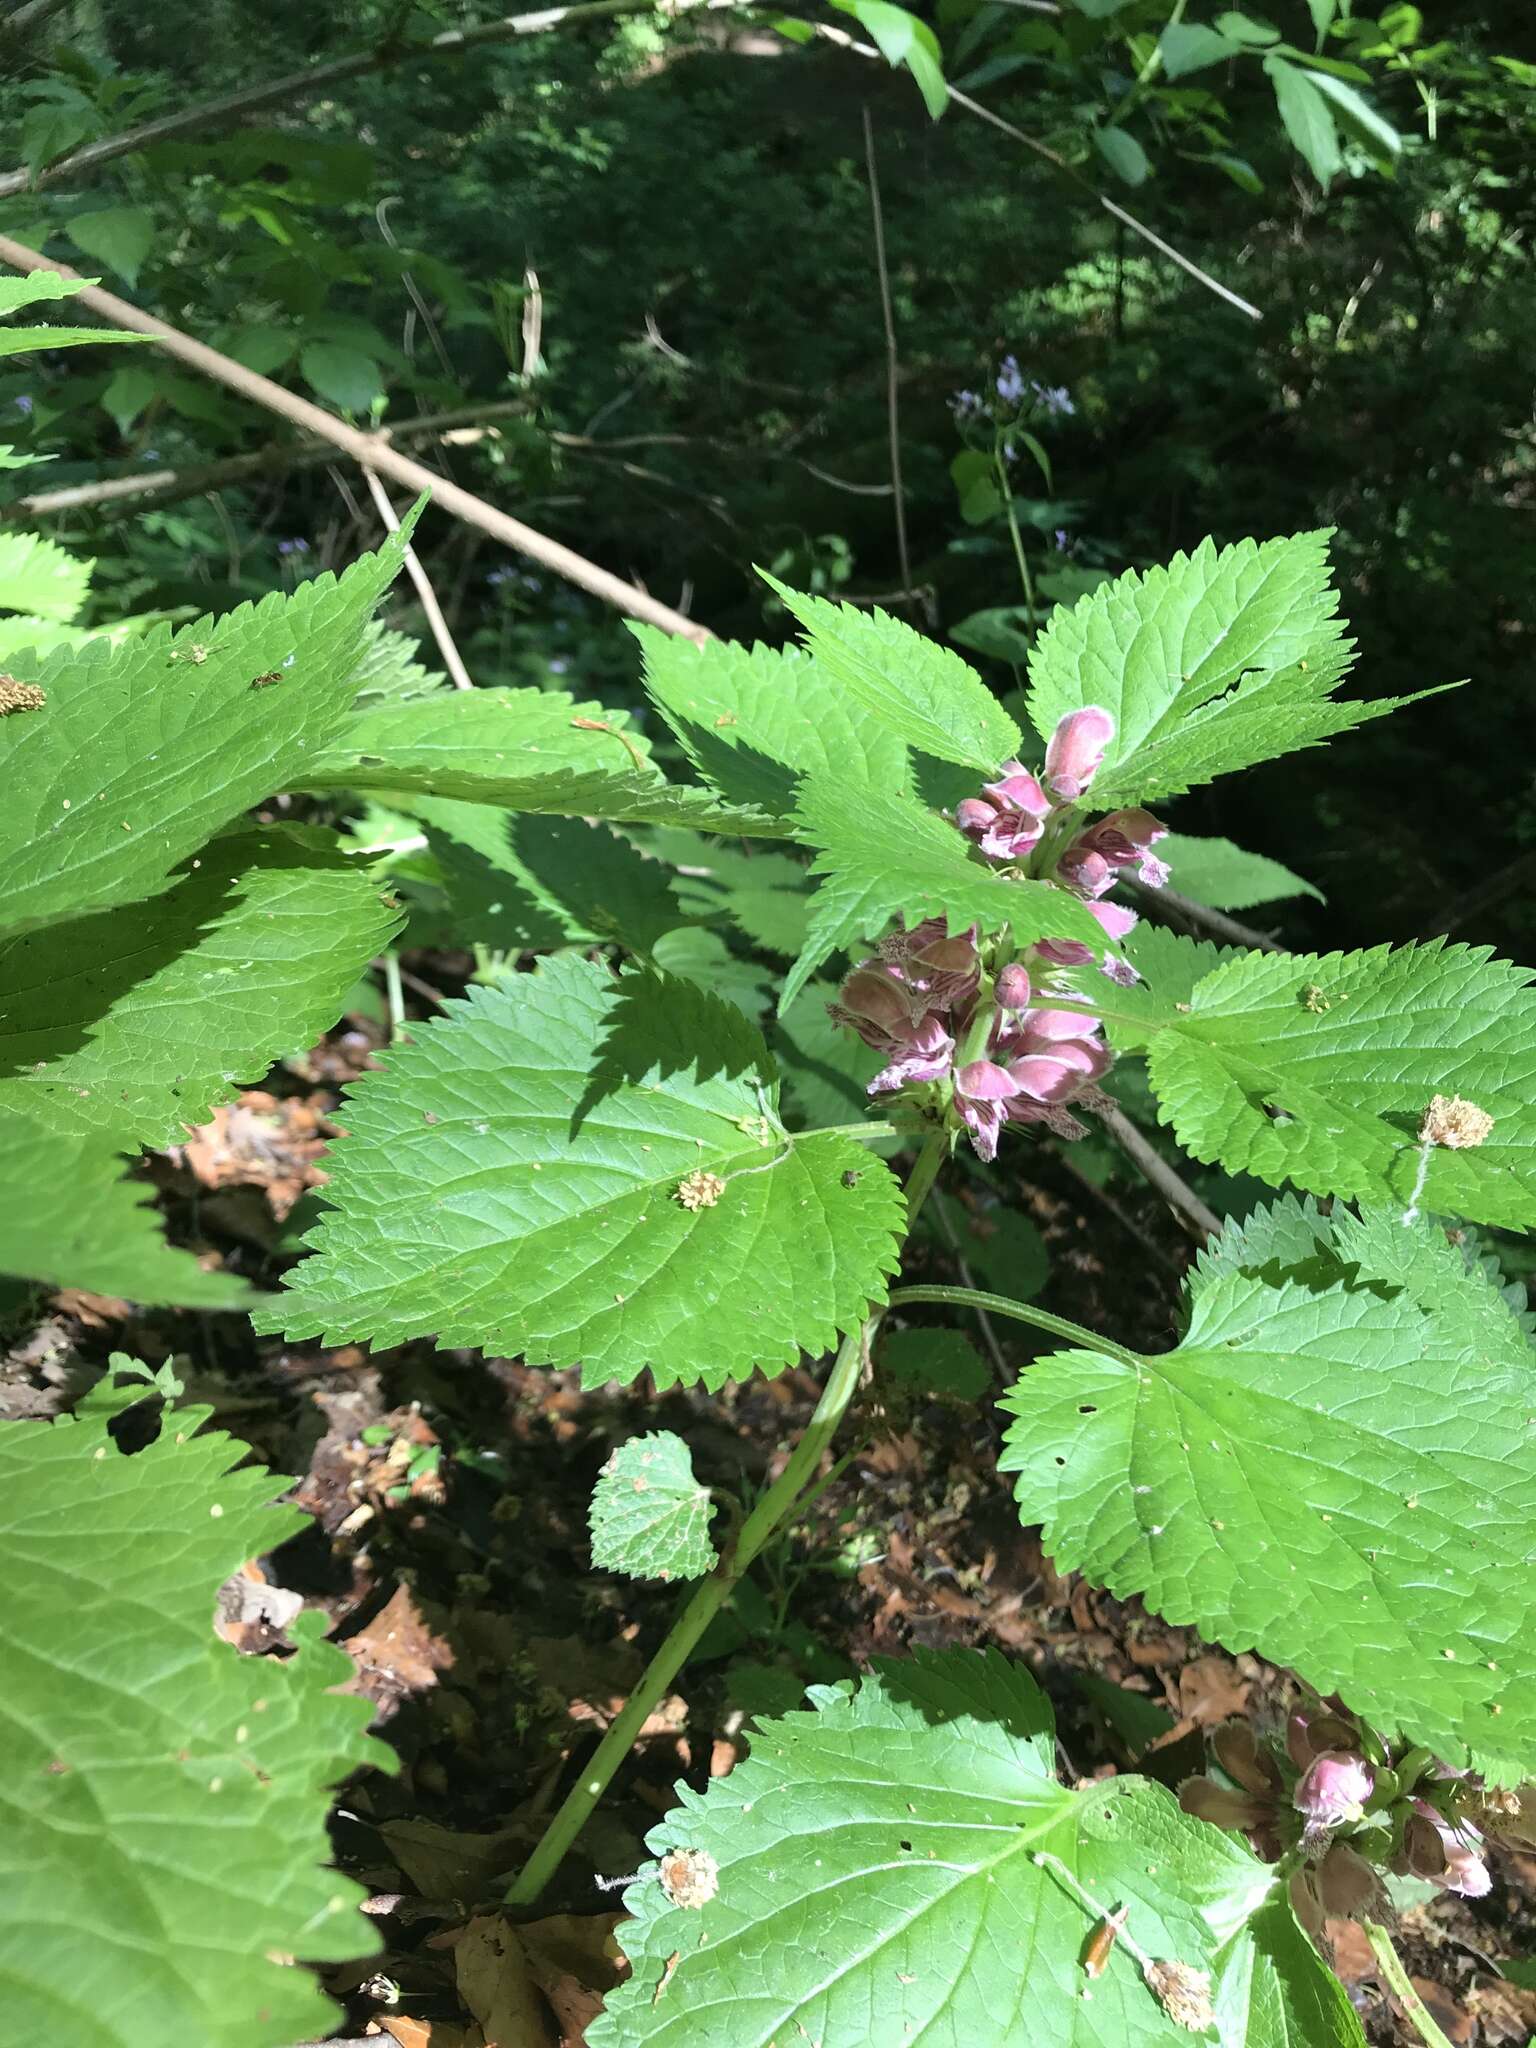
(166, 1838)
(136, 1021)
(1319, 1068)
(69, 1219)
(1336, 1468)
(1216, 872)
(874, 1875)
(766, 895)
(649, 1517)
(922, 693)
(1224, 658)
(752, 720)
(694, 953)
(137, 758)
(39, 578)
(519, 1179)
(884, 855)
(522, 750)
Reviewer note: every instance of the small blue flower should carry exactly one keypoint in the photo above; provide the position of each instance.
(1054, 399)
(293, 547)
(1063, 539)
(499, 576)
(23, 404)
(1010, 382)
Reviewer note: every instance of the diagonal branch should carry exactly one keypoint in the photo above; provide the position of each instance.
(844, 41)
(367, 450)
(303, 85)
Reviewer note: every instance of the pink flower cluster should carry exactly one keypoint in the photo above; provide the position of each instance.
(916, 999)
(1011, 817)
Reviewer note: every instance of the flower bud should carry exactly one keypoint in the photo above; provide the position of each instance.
(1012, 991)
(1333, 1788)
(1076, 749)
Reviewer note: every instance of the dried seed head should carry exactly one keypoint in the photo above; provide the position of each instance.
(16, 696)
(1452, 1121)
(699, 1190)
(1183, 1993)
(689, 1877)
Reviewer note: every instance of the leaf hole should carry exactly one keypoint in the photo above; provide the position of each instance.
(1087, 1408)
(1061, 1461)
(907, 1846)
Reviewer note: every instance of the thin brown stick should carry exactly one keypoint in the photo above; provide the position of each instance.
(892, 360)
(367, 450)
(844, 41)
(447, 646)
(1184, 912)
(1200, 1221)
(303, 85)
(166, 485)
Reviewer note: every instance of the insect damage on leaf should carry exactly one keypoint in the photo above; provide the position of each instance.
(699, 1190)
(1452, 1121)
(16, 696)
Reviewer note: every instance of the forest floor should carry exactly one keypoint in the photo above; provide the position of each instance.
(449, 1553)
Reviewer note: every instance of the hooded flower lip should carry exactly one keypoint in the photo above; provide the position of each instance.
(1075, 751)
(1447, 1856)
(1091, 865)
(1006, 821)
(1334, 1788)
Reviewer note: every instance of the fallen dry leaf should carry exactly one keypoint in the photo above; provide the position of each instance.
(498, 1986)
(272, 1142)
(575, 1961)
(396, 1654)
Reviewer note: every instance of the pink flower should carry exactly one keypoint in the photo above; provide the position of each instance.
(1007, 819)
(1076, 749)
(1334, 1787)
(982, 1089)
(1446, 1855)
(1118, 922)
(1091, 864)
(943, 971)
(1038, 1061)
(1012, 989)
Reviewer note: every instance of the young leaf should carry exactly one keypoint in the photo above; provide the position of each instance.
(753, 720)
(69, 1219)
(573, 1167)
(921, 692)
(1306, 117)
(886, 855)
(649, 1516)
(902, 1864)
(137, 757)
(1222, 659)
(1359, 117)
(1216, 872)
(1336, 1468)
(136, 1021)
(170, 1850)
(1320, 1068)
(522, 750)
(904, 38)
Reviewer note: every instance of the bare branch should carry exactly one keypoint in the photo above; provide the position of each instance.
(447, 646)
(1183, 913)
(892, 361)
(844, 41)
(1199, 1220)
(367, 450)
(166, 485)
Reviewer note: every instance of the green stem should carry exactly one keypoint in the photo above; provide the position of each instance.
(1022, 1312)
(394, 994)
(866, 1130)
(1397, 1980)
(711, 1595)
(1006, 488)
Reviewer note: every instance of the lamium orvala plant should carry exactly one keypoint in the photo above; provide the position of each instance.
(599, 1158)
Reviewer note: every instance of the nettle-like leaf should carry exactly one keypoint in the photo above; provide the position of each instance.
(649, 1517)
(166, 1820)
(752, 720)
(33, 289)
(144, 750)
(135, 1022)
(39, 578)
(921, 692)
(877, 1878)
(1336, 1468)
(577, 1167)
(523, 750)
(1319, 1068)
(885, 855)
(1224, 658)
(1216, 872)
(68, 1218)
